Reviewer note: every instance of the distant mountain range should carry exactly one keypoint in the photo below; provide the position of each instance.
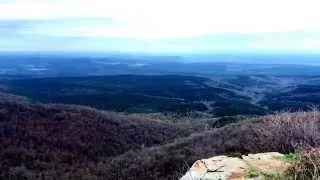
(52, 65)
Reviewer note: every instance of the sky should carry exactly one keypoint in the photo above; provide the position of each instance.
(160, 26)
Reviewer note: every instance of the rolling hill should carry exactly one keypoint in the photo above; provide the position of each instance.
(51, 141)
(46, 140)
(217, 96)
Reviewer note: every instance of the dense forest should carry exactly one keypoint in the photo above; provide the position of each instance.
(217, 96)
(148, 127)
(52, 141)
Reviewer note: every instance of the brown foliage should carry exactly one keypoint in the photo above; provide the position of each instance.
(284, 132)
(71, 142)
(66, 142)
(308, 166)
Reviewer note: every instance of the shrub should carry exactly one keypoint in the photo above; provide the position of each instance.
(308, 166)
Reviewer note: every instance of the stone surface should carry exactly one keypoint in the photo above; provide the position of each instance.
(232, 168)
(267, 162)
(219, 167)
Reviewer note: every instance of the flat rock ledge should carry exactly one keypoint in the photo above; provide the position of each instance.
(234, 168)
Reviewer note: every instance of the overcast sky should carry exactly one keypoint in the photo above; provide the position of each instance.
(160, 25)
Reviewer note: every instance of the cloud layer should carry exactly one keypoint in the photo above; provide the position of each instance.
(160, 26)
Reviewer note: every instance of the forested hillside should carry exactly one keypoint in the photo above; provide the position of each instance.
(48, 140)
(215, 96)
(51, 141)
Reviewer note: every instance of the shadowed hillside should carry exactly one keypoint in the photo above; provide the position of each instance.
(218, 96)
(46, 141)
(138, 94)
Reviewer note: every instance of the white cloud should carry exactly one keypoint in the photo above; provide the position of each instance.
(157, 19)
(153, 21)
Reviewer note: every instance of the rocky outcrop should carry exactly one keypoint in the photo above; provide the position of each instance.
(234, 168)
